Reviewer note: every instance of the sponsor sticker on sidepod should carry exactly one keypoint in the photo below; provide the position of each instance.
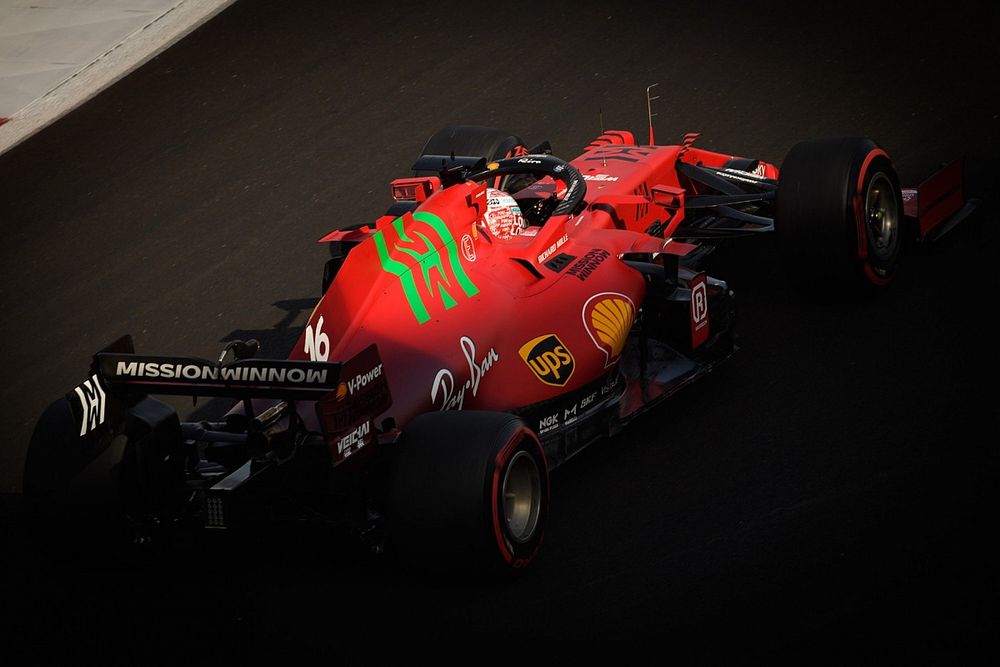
(347, 414)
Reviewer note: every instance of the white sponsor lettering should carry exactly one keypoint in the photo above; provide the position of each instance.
(444, 386)
(231, 374)
(587, 400)
(528, 160)
(599, 177)
(145, 370)
(738, 175)
(570, 190)
(552, 248)
(699, 305)
(610, 384)
(362, 379)
(548, 423)
(569, 416)
(354, 440)
(317, 343)
(130, 368)
(92, 400)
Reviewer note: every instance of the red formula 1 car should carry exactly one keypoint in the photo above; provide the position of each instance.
(452, 362)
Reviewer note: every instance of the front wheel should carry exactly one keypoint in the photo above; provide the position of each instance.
(469, 493)
(839, 214)
(486, 142)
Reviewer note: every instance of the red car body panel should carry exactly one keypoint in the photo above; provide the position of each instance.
(463, 321)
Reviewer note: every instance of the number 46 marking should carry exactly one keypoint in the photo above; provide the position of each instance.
(317, 342)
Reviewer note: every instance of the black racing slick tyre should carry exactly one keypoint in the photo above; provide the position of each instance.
(71, 492)
(839, 215)
(85, 498)
(469, 494)
(478, 141)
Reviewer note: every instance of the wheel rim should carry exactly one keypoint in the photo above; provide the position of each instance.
(522, 491)
(882, 215)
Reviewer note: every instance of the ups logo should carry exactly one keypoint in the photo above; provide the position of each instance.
(549, 359)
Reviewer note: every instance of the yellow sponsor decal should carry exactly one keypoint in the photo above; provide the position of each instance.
(549, 359)
(608, 319)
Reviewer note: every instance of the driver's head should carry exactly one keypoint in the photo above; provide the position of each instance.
(503, 215)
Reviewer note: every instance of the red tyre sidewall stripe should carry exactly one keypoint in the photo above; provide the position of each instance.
(874, 277)
(500, 463)
(859, 218)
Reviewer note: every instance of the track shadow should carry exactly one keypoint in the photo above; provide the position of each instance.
(275, 343)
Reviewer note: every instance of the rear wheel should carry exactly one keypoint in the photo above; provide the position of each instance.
(469, 493)
(839, 214)
(91, 498)
(71, 490)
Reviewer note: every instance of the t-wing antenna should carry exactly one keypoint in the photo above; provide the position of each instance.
(600, 119)
(649, 109)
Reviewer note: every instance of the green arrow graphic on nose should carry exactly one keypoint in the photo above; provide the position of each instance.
(444, 257)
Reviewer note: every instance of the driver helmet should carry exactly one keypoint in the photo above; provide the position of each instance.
(503, 215)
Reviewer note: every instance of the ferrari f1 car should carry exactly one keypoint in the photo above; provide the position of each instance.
(448, 368)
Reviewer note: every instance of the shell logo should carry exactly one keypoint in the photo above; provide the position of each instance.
(341, 391)
(608, 318)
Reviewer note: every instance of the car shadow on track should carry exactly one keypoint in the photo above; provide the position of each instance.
(275, 343)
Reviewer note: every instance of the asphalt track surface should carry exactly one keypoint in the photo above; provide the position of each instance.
(830, 492)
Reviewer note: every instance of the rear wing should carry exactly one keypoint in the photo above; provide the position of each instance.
(346, 397)
(120, 376)
(938, 204)
(192, 376)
